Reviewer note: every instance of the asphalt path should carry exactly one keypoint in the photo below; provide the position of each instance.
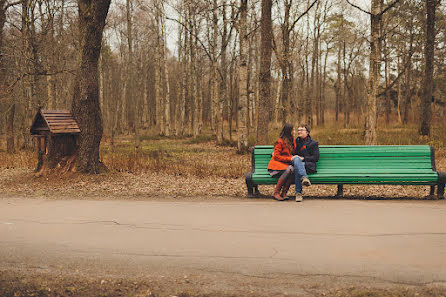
(362, 242)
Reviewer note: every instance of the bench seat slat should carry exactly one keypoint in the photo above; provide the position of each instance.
(375, 176)
(344, 179)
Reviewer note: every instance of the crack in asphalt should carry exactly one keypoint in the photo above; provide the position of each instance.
(327, 275)
(177, 227)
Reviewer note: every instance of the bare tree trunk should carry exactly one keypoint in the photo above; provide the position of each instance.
(265, 73)
(164, 69)
(167, 128)
(10, 147)
(158, 98)
(286, 65)
(324, 83)
(183, 93)
(374, 71)
(191, 90)
(86, 111)
(3, 84)
(426, 111)
(31, 65)
(387, 79)
(345, 93)
(399, 86)
(198, 75)
(217, 116)
(145, 117)
(194, 78)
(50, 79)
(338, 84)
(223, 98)
(278, 107)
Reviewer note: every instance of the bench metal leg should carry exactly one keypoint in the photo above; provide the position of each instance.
(432, 191)
(340, 192)
(253, 190)
(249, 184)
(256, 191)
(440, 191)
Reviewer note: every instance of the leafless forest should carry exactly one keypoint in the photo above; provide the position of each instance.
(180, 68)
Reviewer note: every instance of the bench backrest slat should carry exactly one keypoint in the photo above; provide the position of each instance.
(378, 163)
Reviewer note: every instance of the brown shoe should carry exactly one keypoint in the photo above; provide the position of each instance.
(278, 197)
(285, 188)
(305, 181)
(279, 185)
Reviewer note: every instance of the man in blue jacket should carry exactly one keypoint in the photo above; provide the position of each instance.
(307, 151)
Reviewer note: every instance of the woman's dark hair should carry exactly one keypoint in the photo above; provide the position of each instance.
(286, 135)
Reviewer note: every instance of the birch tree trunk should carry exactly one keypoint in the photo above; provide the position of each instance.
(167, 87)
(242, 145)
(387, 79)
(194, 79)
(158, 98)
(165, 105)
(398, 86)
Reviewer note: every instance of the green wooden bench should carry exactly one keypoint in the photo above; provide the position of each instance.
(359, 164)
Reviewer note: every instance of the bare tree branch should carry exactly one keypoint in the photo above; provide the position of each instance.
(9, 88)
(401, 73)
(13, 4)
(187, 29)
(369, 13)
(357, 7)
(303, 14)
(388, 7)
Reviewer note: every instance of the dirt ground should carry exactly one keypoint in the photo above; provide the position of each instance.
(48, 284)
(146, 186)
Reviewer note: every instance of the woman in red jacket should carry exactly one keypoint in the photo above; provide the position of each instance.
(281, 159)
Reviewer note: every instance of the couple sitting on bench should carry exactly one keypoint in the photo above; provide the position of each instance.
(292, 160)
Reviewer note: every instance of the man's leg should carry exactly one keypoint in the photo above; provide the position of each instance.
(299, 172)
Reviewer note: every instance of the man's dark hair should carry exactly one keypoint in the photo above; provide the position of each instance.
(306, 126)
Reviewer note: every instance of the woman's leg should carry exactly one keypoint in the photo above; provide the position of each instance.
(288, 182)
(281, 183)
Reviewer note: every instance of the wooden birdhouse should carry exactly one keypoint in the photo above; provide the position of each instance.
(56, 133)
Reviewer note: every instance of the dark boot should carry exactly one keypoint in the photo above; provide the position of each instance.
(286, 187)
(279, 186)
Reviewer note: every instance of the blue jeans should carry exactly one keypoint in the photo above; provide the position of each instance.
(299, 172)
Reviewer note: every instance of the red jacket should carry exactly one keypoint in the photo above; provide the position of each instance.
(281, 156)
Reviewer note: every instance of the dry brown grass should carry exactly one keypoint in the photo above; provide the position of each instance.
(202, 158)
(20, 159)
(175, 157)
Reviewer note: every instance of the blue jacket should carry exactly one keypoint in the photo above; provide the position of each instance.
(309, 149)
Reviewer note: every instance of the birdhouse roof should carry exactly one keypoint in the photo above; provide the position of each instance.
(54, 122)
